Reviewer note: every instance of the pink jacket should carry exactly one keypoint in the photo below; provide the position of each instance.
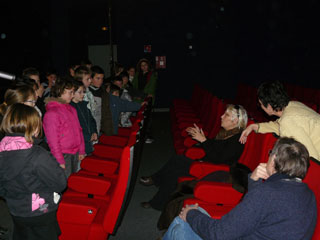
(62, 129)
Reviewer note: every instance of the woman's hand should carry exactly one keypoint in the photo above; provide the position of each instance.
(186, 209)
(260, 172)
(196, 133)
(81, 157)
(247, 131)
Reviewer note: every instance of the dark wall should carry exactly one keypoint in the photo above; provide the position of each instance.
(232, 41)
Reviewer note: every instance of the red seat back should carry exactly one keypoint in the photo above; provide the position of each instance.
(120, 191)
(313, 181)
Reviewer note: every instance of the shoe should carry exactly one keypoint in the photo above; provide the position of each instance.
(149, 140)
(146, 205)
(146, 181)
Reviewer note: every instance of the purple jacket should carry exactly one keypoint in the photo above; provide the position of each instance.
(62, 129)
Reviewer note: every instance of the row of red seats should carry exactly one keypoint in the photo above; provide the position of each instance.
(97, 196)
(204, 109)
(219, 198)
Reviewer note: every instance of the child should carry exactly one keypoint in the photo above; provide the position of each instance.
(23, 94)
(83, 74)
(51, 78)
(87, 122)
(118, 105)
(124, 95)
(97, 75)
(29, 176)
(62, 128)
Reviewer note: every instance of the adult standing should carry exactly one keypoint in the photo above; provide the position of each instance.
(295, 119)
(145, 80)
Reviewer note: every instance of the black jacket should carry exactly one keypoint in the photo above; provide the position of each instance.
(224, 151)
(26, 173)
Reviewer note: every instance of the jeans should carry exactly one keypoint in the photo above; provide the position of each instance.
(180, 229)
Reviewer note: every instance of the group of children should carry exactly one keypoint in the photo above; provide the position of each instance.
(74, 112)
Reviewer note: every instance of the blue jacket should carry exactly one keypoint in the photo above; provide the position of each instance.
(117, 106)
(87, 123)
(277, 209)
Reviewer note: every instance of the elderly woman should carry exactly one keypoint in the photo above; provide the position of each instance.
(281, 207)
(224, 148)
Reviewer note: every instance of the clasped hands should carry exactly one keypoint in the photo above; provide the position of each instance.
(196, 133)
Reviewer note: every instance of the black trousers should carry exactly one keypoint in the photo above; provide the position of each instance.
(166, 179)
(36, 228)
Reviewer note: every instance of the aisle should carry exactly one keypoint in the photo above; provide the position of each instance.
(140, 223)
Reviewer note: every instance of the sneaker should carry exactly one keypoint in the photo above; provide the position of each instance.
(149, 140)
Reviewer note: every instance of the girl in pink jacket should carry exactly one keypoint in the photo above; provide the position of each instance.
(62, 128)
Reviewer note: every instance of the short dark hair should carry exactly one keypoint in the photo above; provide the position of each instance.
(124, 74)
(80, 72)
(114, 88)
(96, 70)
(77, 85)
(116, 78)
(26, 81)
(291, 157)
(273, 93)
(61, 84)
(27, 72)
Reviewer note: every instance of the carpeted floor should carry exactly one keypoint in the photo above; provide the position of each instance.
(139, 223)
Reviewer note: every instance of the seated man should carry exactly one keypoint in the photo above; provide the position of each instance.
(281, 207)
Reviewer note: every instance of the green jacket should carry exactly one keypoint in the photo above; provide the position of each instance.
(150, 87)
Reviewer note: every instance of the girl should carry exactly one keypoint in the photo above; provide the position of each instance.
(62, 128)
(87, 122)
(23, 94)
(29, 176)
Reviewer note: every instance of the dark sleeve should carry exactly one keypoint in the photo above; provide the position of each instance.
(49, 172)
(127, 106)
(239, 222)
(226, 151)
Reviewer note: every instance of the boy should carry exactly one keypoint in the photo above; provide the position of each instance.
(118, 105)
(83, 74)
(87, 122)
(97, 75)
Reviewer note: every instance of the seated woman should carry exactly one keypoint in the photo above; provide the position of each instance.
(223, 149)
(272, 209)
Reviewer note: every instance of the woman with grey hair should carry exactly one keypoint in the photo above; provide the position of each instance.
(280, 207)
(224, 148)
